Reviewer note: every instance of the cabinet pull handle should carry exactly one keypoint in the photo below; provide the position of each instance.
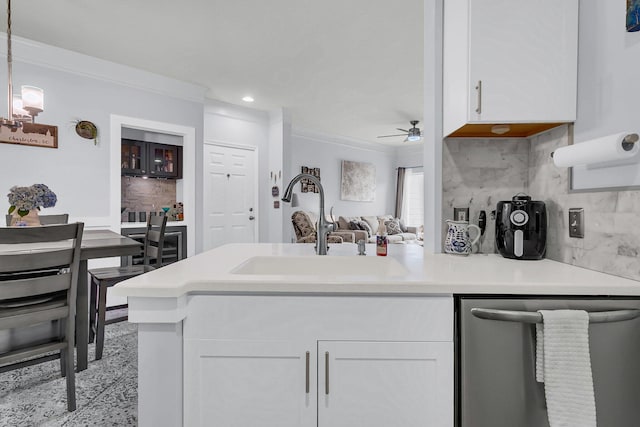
(535, 317)
(326, 372)
(306, 374)
(479, 89)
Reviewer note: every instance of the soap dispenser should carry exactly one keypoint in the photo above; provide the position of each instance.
(382, 240)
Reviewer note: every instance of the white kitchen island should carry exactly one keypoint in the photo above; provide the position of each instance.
(273, 335)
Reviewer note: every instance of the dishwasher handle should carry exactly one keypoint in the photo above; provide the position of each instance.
(535, 317)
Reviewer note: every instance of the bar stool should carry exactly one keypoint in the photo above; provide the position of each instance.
(104, 278)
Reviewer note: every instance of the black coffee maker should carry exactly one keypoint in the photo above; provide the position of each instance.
(521, 228)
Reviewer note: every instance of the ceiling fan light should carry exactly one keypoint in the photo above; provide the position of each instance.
(414, 138)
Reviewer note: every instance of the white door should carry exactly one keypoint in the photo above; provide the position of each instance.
(247, 383)
(381, 384)
(230, 205)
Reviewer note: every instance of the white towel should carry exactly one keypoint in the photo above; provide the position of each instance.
(563, 363)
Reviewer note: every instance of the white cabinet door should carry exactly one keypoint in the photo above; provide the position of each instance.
(247, 383)
(509, 61)
(381, 384)
(525, 55)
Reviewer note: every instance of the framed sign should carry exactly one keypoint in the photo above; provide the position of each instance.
(307, 186)
(33, 134)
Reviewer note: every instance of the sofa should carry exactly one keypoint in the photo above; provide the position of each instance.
(304, 225)
(366, 228)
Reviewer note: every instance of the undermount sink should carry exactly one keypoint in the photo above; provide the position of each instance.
(321, 266)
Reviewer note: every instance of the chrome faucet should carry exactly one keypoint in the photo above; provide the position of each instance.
(323, 228)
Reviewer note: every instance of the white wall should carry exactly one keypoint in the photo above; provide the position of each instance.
(277, 131)
(409, 156)
(608, 87)
(80, 87)
(230, 124)
(433, 140)
(327, 152)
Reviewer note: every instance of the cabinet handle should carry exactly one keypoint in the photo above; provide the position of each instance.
(306, 374)
(534, 317)
(479, 89)
(326, 372)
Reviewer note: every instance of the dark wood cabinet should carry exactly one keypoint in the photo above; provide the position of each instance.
(163, 160)
(139, 158)
(133, 157)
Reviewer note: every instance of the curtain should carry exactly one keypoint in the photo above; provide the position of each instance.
(400, 191)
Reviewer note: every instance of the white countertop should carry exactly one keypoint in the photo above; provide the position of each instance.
(210, 272)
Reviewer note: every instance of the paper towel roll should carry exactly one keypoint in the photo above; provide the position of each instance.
(600, 150)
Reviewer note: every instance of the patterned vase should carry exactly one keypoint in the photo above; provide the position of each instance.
(457, 240)
(29, 220)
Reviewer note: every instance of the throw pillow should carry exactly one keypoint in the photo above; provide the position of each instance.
(373, 223)
(353, 225)
(343, 223)
(393, 226)
(364, 226)
(402, 226)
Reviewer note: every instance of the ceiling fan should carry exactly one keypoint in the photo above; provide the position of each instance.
(412, 134)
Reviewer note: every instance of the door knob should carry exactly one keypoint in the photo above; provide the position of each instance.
(251, 218)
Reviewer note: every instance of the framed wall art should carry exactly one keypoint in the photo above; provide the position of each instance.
(633, 15)
(306, 185)
(358, 182)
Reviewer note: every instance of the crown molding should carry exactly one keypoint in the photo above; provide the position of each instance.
(328, 138)
(215, 107)
(47, 56)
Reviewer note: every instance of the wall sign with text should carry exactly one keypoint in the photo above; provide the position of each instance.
(33, 134)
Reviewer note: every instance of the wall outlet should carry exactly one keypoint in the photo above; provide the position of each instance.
(576, 223)
(461, 214)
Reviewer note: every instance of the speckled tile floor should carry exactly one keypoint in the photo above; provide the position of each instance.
(106, 393)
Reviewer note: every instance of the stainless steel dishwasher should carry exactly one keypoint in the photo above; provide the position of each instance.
(495, 367)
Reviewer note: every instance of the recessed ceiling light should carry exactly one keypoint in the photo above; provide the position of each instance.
(248, 99)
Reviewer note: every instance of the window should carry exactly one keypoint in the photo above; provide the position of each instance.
(413, 197)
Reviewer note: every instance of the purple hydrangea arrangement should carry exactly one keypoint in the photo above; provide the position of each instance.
(24, 199)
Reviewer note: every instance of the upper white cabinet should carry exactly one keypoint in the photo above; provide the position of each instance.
(509, 62)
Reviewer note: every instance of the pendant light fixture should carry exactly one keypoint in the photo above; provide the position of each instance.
(21, 108)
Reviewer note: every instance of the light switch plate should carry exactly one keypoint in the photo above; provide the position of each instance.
(576, 222)
(461, 214)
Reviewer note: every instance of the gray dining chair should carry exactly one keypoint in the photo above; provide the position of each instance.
(104, 278)
(46, 219)
(40, 286)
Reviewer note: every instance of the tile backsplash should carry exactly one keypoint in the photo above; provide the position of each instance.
(146, 195)
(477, 173)
(611, 242)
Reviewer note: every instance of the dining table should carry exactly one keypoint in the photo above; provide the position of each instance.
(95, 244)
